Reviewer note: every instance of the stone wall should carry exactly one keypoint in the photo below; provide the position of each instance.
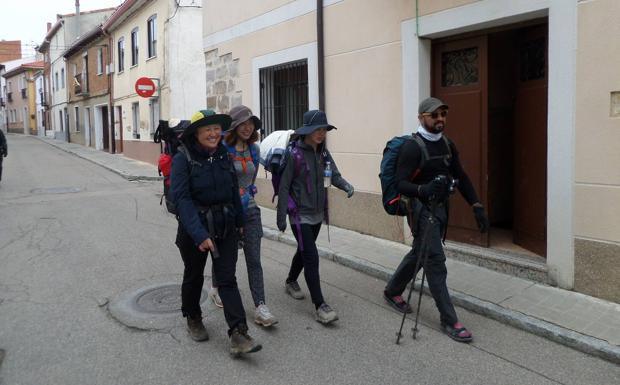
(222, 76)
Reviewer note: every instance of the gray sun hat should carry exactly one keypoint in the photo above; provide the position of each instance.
(313, 120)
(430, 105)
(240, 114)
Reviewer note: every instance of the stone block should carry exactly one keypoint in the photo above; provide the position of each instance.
(210, 75)
(597, 269)
(210, 55)
(223, 104)
(233, 68)
(236, 100)
(221, 72)
(219, 88)
(211, 102)
(226, 58)
(231, 86)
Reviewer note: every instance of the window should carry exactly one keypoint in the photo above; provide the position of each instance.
(153, 114)
(61, 125)
(100, 61)
(134, 47)
(135, 115)
(85, 72)
(57, 87)
(77, 119)
(121, 54)
(62, 78)
(151, 25)
(283, 95)
(87, 120)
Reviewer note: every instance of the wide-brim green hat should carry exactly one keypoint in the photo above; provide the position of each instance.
(206, 117)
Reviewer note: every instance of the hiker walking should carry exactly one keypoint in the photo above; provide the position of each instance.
(4, 150)
(423, 187)
(240, 140)
(206, 193)
(302, 194)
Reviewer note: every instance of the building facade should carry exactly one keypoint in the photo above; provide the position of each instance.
(159, 40)
(522, 80)
(10, 50)
(67, 29)
(22, 98)
(89, 90)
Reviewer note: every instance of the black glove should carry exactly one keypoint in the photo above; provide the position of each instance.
(349, 190)
(481, 219)
(433, 190)
(282, 224)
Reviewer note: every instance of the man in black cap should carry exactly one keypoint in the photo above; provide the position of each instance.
(425, 168)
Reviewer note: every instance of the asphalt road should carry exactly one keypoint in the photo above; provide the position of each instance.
(74, 236)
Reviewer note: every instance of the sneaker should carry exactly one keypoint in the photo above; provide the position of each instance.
(196, 329)
(241, 342)
(263, 316)
(325, 314)
(293, 289)
(398, 303)
(215, 297)
(457, 332)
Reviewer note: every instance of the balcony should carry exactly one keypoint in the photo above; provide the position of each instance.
(24, 94)
(9, 96)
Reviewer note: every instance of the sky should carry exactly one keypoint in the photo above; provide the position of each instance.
(26, 20)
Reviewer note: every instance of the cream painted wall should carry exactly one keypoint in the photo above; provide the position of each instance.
(124, 82)
(229, 13)
(426, 7)
(597, 134)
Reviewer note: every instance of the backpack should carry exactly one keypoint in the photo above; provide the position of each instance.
(169, 135)
(392, 202)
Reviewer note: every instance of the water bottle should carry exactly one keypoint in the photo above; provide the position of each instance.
(327, 175)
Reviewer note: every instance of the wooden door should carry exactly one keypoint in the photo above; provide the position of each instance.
(460, 80)
(530, 195)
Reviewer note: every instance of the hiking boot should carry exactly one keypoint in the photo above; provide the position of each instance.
(293, 289)
(215, 297)
(241, 342)
(325, 314)
(263, 316)
(398, 303)
(196, 329)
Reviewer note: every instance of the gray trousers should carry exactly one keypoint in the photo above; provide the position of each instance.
(252, 234)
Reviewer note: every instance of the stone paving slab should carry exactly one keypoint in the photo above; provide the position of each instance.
(582, 322)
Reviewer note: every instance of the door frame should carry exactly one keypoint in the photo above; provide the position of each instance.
(484, 14)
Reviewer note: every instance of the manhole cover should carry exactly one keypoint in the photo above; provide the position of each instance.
(164, 299)
(55, 190)
(153, 307)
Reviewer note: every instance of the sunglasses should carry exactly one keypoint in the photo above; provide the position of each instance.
(436, 114)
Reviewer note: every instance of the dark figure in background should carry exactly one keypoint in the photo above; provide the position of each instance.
(4, 150)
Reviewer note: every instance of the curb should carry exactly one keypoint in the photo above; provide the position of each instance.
(567, 337)
(124, 175)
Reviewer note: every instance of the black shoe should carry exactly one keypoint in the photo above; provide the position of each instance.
(397, 302)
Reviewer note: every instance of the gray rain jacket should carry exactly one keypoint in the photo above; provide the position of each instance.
(309, 203)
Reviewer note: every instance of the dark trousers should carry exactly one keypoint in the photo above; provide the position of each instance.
(308, 260)
(1, 158)
(436, 271)
(193, 277)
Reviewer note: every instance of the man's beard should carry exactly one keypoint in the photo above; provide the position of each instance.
(435, 129)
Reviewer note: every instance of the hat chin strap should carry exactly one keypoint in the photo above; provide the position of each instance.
(429, 135)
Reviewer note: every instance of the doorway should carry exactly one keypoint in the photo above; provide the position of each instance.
(496, 86)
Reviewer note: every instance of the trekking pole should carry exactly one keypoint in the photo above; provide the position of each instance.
(423, 255)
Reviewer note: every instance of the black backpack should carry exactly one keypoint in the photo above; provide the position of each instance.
(170, 139)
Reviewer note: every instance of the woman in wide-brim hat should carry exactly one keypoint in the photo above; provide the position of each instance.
(205, 191)
(240, 140)
(304, 179)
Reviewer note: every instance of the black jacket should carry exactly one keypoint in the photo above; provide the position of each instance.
(211, 180)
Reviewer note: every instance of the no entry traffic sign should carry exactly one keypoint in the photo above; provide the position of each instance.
(145, 87)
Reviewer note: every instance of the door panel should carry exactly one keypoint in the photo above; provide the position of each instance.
(530, 208)
(460, 79)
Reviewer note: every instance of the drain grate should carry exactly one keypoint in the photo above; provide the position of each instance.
(55, 190)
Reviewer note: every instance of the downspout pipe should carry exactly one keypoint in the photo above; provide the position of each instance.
(112, 137)
(320, 53)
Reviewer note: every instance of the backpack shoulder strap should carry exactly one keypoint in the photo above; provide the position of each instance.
(423, 150)
(183, 150)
